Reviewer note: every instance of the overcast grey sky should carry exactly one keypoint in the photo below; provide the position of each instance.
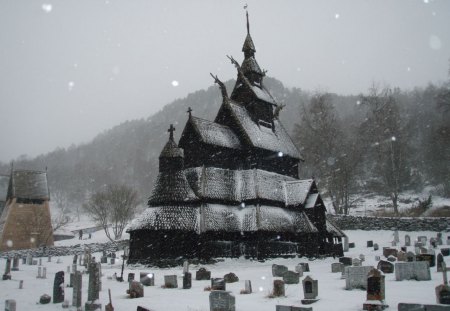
(70, 69)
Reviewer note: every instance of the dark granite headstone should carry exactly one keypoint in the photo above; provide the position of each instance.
(351, 245)
(278, 270)
(439, 261)
(443, 294)
(222, 301)
(375, 285)
(385, 266)
(218, 284)
(430, 258)
(94, 287)
(45, 299)
(278, 288)
(305, 266)
(15, 264)
(58, 287)
(202, 274)
(375, 247)
(230, 278)
(445, 252)
(77, 289)
(170, 281)
(369, 243)
(147, 279)
(187, 280)
(347, 261)
(136, 290)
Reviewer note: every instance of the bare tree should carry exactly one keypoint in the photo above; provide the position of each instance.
(112, 207)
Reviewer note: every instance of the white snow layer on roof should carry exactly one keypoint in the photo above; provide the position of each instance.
(216, 134)
(219, 217)
(277, 140)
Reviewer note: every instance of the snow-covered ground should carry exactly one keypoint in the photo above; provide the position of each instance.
(332, 293)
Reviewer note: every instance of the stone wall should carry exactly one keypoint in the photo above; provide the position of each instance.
(391, 223)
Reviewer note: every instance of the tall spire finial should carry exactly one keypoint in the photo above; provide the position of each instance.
(189, 111)
(248, 23)
(171, 130)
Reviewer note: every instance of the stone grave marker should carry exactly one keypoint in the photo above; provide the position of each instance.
(439, 238)
(416, 270)
(136, 289)
(410, 257)
(291, 277)
(40, 261)
(422, 239)
(407, 240)
(231, 278)
(49, 259)
(387, 251)
(130, 277)
(292, 308)
(39, 276)
(337, 267)
(278, 288)
(445, 252)
(430, 258)
(21, 284)
(74, 260)
(356, 262)
(370, 243)
(218, 284)
(356, 277)
(310, 290)
(113, 261)
(185, 267)
(377, 258)
(396, 237)
(278, 270)
(170, 281)
(443, 290)
(29, 259)
(15, 264)
(362, 257)
(221, 300)
(45, 299)
(24, 260)
(346, 261)
(147, 279)
(44, 272)
(248, 287)
(376, 247)
(351, 245)
(392, 258)
(58, 287)
(385, 266)
(299, 270)
(433, 242)
(93, 288)
(345, 246)
(10, 305)
(7, 274)
(305, 266)
(187, 280)
(439, 261)
(375, 291)
(103, 259)
(401, 256)
(202, 274)
(77, 289)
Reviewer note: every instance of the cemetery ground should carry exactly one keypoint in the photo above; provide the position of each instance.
(332, 294)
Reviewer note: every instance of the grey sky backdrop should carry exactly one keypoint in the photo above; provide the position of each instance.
(70, 69)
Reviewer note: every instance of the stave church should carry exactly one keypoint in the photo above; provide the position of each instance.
(231, 186)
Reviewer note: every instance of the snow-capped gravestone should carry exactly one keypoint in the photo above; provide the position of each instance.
(29, 259)
(278, 288)
(7, 274)
(356, 262)
(202, 274)
(346, 246)
(387, 251)
(220, 300)
(291, 277)
(58, 287)
(185, 266)
(278, 270)
(94, 287)
(147, 279)
(385, 266)
(337, 267)
(15, 265)
(356, 277)
(417, 270)
(310, 290)
(218, 284)
(443, 290)
(248, 287)
(10, 305)
(375, 291)
(410, 257)
(77, 289)
(299, 270)
(376, 247)
(136, 290)
(346, 261)
(305, 266)
(170, 281)
(430, 258)
(407, 240)
(187, 280)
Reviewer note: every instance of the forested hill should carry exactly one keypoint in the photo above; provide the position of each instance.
(128, 153)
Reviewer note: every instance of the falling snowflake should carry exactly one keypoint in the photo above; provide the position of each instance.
(336, 16)
(32, 240)
(9, 243)
(70, 85)
(261, 288)
(175, 83)
(393, 138)
(47, 7)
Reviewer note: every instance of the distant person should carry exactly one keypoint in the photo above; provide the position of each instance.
(80, 235)
(90, 236)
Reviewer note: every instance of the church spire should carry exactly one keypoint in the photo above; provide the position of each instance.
(248, 48)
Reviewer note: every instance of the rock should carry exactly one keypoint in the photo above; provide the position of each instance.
(230, 278)
(45, 299)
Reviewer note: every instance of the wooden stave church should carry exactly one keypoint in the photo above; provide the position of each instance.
(230, 187)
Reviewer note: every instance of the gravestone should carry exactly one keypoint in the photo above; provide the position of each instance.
(218, 284)
(24, 260)
(410, 257)
(385, 266)
(49, 259)
(202, 274)
(103, 259)
(113, 261)
(29, 259)
(278, 288)
(392, 258)
(362, 257)
(45, 299)
(15, 265)
(345, 246)
(430, 258)
(248, 287)
(77, 289)
(407, 240)
(337, 267)
(403, 306)
(396, 236)
(187, 280)
(93, 287)
(448, 240)
(377, 258)
(401, 256)
(185, 266)
(416, 270)
(291, 277)
(439, 261)
(147, 279)
(387, 251)
(433, 242)
(305, 266)
(443, 290)
(346, 261)
(376, 247)
(231, 278)
(299, 270)
(369, 243)
(220, 300)
(75, 259)
(356, 277)
(7, 274)
(422, 239)
(170, 281)
(310, 289)
(44, 272)
(439, 238)
(21, 284)
(39, 276)
(136, 289)
(130, 277)
(58, 287)
(278, 270)
(445, 252)
(375, 291)
(356, 262)
(40, 261)
(10, 305)
(404, 249)
(351, 245)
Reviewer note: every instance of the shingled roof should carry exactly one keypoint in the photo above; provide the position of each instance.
(26, 184)
(215, 134)
(171, 187)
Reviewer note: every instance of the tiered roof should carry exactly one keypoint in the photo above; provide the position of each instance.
(30, 185)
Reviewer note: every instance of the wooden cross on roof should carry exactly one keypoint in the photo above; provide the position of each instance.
(189, 111)
(171, 130)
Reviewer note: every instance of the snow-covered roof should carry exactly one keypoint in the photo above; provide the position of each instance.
(219, 217)
(171, 150)
(250, 65)
(31, 185)
(171, 187)
(275, 140)
(215, 134)
(333, 229)
(297, 191)
(248, 44)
